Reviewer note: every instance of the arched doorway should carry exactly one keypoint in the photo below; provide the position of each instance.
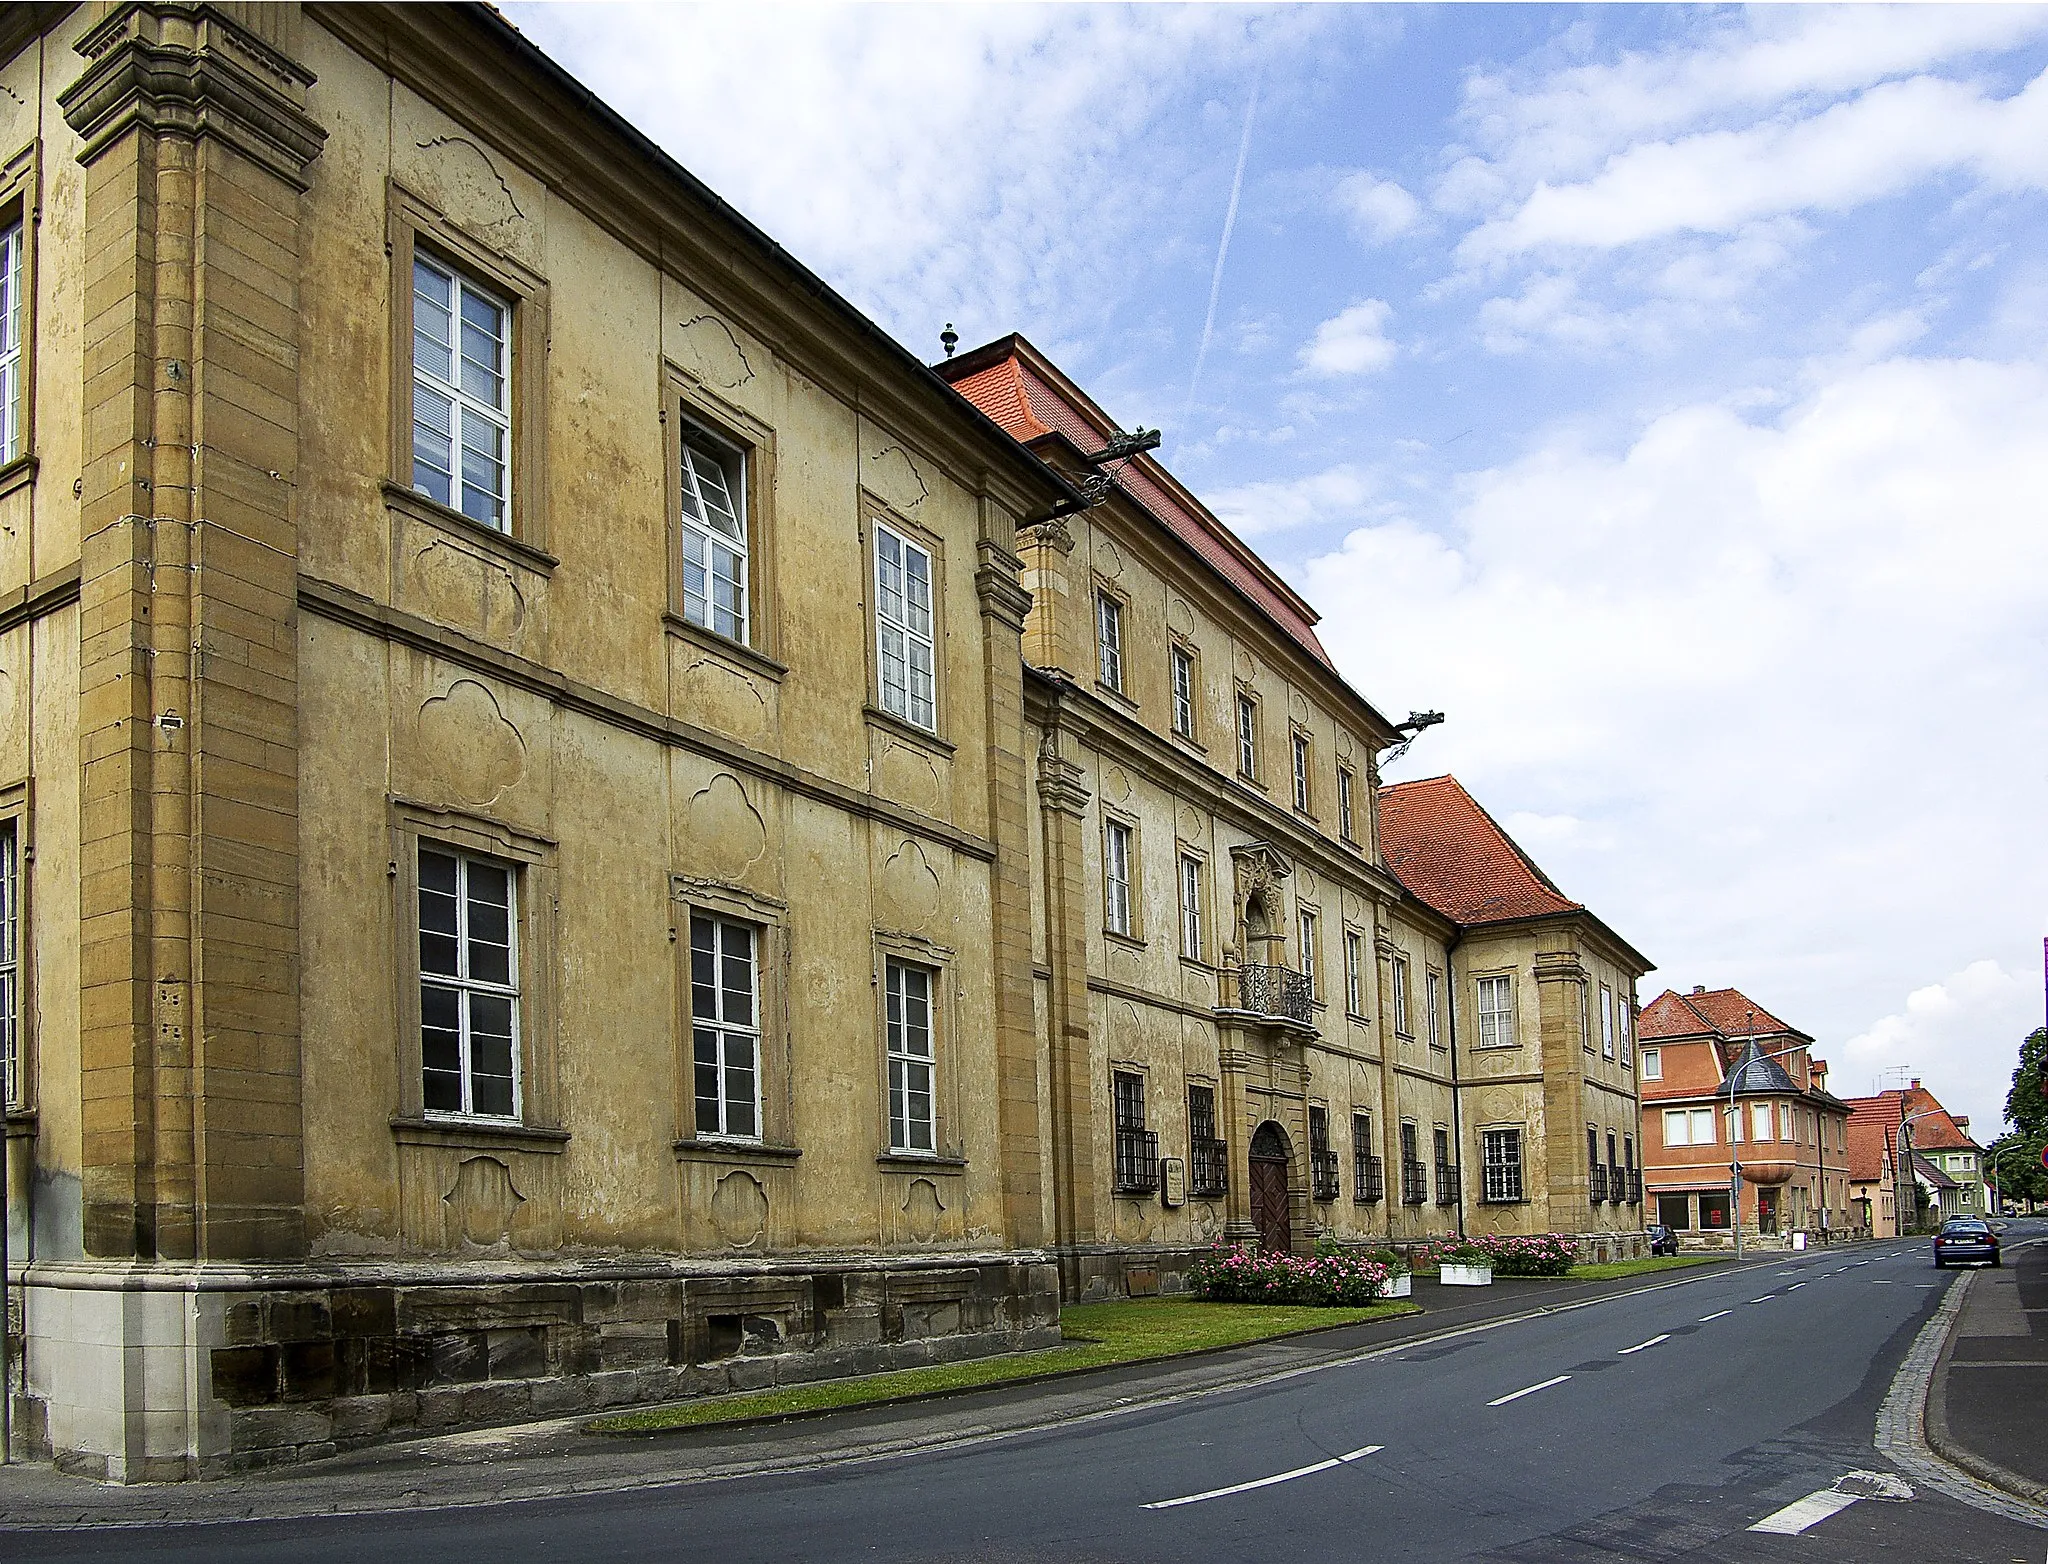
(1269, 1159)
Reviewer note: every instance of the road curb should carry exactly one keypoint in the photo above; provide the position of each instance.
(1944, 1443)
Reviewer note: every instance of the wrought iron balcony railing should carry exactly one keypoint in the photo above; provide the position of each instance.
(1617, 1185)
(1322, 1174)
(1280, 992)
(1598, 1192)
(1208, 1167)
(1635, 1186)
(1368, 1184)
(1447, 1183)
(1137, 1162)
(1414, 1183)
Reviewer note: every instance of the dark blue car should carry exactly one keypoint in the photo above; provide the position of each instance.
(1964, 1238)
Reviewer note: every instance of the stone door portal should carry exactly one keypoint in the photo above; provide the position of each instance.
(1269, 1189)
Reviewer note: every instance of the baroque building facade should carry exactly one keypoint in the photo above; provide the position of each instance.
(577, 826)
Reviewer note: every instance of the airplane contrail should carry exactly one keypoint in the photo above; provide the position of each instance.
(1244, 146)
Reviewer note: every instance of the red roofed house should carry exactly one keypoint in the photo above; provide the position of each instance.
(1908, 1128)
(1542, 999)
(1790, 1134)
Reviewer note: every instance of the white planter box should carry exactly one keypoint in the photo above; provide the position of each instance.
(1451, 1274)
(1398, 1286)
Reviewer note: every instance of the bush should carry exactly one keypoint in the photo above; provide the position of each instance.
(1541, 1254)
(1236, 1273)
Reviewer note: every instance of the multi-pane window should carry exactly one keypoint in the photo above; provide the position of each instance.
(1322, 1157)
(1306, 932)
(904, 652)
(1624, 1032)
(1183, 664)
(1688, 1126)
(1109, 640)
(1653, 1064)
(1500, 1165)
(1247, 737)
(1368, 1181)
(907, 994)
(461, 394)
(1191, 908)
(1208, 1158)
(1496, 1012)
(1432, 993)
(712, 483)
(1354, 972)
(1344, 821)
(1606, 1022)
(1301, 797)
(1137, 1148)
(1414, 1178)
(1760, 1120)
(725, 1021)
(13, 393)
(13, 1092)
(1116, 877)
(1401, 1026)
(1784, 1121)
(469, 986)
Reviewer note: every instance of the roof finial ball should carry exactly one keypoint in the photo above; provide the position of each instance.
(949, 339)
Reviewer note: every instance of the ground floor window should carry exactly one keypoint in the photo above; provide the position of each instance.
(1675, 1211)
(1714, 1210)
(1500, 1157)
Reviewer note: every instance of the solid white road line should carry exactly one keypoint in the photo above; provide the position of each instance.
(1715, 1316)
(1264, 1482)
(1809, 1511)
(1501, 1401)
(1638, 1347)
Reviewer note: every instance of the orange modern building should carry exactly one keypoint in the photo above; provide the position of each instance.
(1725, 1082)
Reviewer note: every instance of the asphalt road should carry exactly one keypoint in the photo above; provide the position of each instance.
(1661, 1425)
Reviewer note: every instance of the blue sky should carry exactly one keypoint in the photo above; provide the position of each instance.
(1662, 392)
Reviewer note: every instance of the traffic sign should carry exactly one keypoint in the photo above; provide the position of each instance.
(2044, 1155)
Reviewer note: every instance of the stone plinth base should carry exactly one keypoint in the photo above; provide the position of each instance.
(156, 1373)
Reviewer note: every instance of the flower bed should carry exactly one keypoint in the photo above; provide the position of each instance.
(1237, 1273)
(1539, 1254)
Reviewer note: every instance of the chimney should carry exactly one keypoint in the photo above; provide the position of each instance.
(1916, 1084)
(1701, 988)
(1962, 1121)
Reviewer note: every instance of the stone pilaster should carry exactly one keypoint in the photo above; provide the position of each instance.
(1063, 805)
(1561, 994)
(1049, 636)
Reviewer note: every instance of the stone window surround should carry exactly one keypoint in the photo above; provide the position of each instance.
(1506, 974)
(941, 962)
(1355, 986)
(770, 919)
(21, 201)
(1107, 595)
(877, 517)
(1184, 855)
(1301, 771)
(686, 401)
(411, 223)
(1308, 939)
(1134, 861)
(1247, 698)
(1179, 647)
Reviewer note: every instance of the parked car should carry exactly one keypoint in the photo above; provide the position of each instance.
(1662, 1239)
(1965, 1238)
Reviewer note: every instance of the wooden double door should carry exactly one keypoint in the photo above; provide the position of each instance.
(1270, 1214)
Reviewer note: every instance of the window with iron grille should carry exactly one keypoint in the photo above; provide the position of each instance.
(1247, 738)
(712, 487)
(1446, 1169)
(1635, 1178)
(462, 393)
(1116, 875)
(725, 1026)
(1137, 1148)
(1191, 908)
(907, 994)
(1500, 1160)
(1322, 1159)
(1301, 794)
(1109, 640)
(1414, 1178)
(1616, 1189)
(469, 986)
(1496, 1012)
(905, 655)
(1183, 664)
(1367, 1184)
(1595, 1169)
(1207, 1155)
(1344, 821)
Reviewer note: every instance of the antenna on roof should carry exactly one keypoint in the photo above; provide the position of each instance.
(949, 339)
(1411, 730)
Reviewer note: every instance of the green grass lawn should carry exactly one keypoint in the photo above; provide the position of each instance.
(1097, 1335)
(1667, 1262)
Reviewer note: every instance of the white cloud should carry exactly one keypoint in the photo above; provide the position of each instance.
(1379, 209)
(1254, 509)
(1961, 1036)
(1351, 342)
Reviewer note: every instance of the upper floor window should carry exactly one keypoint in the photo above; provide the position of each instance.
(13, 393)
(1401, 1026)
(1624, 1030)
(1760, 1121)
(1496, 1012)
(1247, 738)
(913, 1122)
(711, 483)
(1306, 928)
(1116, 877)
(725, 1022)
(1345, 825)
(1432, 997)
(1689, 1126)
(1354, 972)
(461, 394)
(904, 646)
(1109, 641)
(1606, 1022)
(1183, 665)
(1301, 793)
(13, 1091)
(1191, 908)
(1653, 1064)
(469, 986)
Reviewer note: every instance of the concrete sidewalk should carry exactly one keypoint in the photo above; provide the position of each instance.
(557, 1459)
(1988, 1408)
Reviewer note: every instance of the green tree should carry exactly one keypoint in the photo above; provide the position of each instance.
(2017, 1156)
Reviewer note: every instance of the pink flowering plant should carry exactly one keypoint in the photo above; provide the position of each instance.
(1246, 1273)
(1536, 1254)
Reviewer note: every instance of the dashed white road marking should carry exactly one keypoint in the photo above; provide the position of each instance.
(1265, 1482)
(1717, 1314)
(1527, 1390)
(1639, 1346)
(1877, 1281)
(1766, 1298)
(1795, 1287)
(1802, 1513)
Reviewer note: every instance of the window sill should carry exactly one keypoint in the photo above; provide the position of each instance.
(753, 660)
(734, 1151)
(1189, 742)
(21, 1123)
(478, 1134)
(1116, 697)
(1128, 941)
(1197, 964)
(905, 729)
(433, 513)
(18, 474)
(937, 1162)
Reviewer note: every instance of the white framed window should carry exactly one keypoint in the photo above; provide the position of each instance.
(1432, 987)
(462, 393)
(1688, 1126)
(1344, 821)
(1305, 932)
(1500, 1165)
(1401, 1025)
(1301, 793)
(469, 986)
(1606, 1022)
(1784, 1121)
(1191, 908)
(904, 648)
(1109, 641)
(1182, 663)
(1496, 1012)
(908, 1019)
(13, 392)
(13, 1092)
(1760, 1121)
(1653, 1064)
(712, 485)
(1247, 738)
(1116, 877)
(1624, 1031)
(725, 1026)
(1354, 972)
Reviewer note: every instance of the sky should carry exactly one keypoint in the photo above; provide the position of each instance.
(1661, 393)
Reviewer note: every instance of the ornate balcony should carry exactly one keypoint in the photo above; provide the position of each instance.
(1137, 1162)
(1414, 1184)
(1598, 1192)
(1208, 1167)
(1279, 992)
(1322, 1174)
(1447, 1183)
(1368, 1182)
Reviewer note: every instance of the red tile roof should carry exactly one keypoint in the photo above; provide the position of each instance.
(1022, 390)
(1935, 1132)
(1720, 1012)
(1869, 1152)
(1454, 855)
